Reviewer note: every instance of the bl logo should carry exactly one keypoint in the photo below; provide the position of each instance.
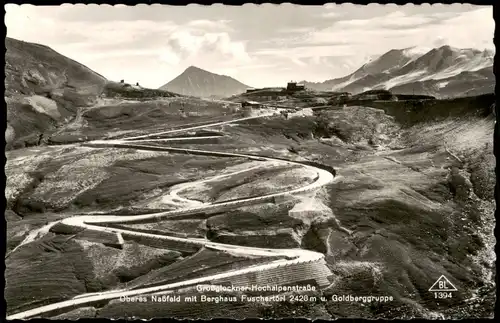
(443, 284)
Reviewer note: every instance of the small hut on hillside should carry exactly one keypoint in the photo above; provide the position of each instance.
(293, 86)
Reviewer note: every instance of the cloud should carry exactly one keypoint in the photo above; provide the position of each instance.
(297, 61)
(153, 50)
(210, 24)
(471, 29)
(400, 30)
(439, 41)
(295, 30)
(190, 47)
(309, 51)
(330, 14)
(346, 44)
(80, 34)
(170, 42)
(396, 19)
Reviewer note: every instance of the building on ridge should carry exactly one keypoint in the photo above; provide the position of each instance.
(293, 86)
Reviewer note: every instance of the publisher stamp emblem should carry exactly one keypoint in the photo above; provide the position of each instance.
(443, 288)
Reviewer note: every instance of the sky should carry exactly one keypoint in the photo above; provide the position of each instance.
(259, 45)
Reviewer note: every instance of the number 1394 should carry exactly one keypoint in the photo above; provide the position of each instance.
(442, 295)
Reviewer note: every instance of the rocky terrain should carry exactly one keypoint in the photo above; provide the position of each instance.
(412, 199)
(195, 81)
(444, 72)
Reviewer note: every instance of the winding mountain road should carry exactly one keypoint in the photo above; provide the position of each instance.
(289, 257)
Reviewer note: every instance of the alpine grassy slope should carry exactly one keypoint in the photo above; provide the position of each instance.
(412, 199)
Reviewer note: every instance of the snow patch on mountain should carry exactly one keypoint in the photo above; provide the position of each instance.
(339, 86)
(441, 85)
(407, 78)
(415, 51)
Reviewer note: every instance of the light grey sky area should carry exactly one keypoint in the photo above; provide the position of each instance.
(259, 45)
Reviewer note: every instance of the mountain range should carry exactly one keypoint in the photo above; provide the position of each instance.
(195, 81)
(441, 72)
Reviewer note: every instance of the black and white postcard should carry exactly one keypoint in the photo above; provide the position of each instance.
(255, 161)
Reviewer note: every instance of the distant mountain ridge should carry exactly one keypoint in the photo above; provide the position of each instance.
(441, 72)
(195, 81)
